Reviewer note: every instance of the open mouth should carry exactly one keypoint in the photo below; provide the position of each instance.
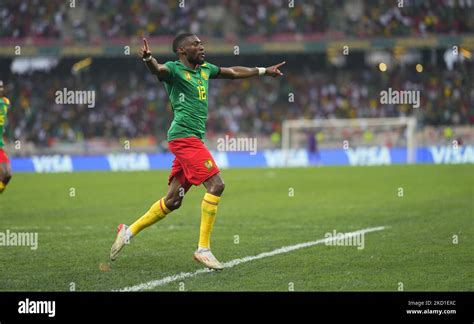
(201, 55)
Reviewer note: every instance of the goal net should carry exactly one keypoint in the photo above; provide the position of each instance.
(364, 141)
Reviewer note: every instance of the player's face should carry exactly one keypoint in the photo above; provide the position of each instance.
(194, 50)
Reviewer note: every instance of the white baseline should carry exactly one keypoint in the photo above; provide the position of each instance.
(183, 275)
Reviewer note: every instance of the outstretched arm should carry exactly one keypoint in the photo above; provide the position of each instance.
(160, 70)
(242, 72)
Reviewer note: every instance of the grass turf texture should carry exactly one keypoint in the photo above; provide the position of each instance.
(75, 233)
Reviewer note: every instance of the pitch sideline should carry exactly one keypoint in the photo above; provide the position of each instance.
(183, 275)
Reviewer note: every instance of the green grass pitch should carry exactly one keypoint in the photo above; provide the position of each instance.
(418, 249)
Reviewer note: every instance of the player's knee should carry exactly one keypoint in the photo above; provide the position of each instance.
(217, 189)
(4, 176)
(5, 172)
(173, 203)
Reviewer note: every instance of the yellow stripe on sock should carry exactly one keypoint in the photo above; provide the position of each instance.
(163, 206)
(211, 198)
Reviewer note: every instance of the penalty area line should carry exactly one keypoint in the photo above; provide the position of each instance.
(230, 264)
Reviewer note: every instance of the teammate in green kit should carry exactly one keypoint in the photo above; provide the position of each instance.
(186, 81)
(5, 168)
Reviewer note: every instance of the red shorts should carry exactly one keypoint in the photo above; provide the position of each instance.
(3, 157)
(193, 164)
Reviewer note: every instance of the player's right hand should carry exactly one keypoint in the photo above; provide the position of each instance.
(144, 51)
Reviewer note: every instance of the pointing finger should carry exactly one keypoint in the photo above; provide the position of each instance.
(280, 64)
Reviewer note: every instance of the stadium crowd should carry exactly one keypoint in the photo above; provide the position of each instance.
(130, 102)
(232, 19)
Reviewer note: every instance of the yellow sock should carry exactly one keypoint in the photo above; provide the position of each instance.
(208, 216)
(156, 212)
(2, 186)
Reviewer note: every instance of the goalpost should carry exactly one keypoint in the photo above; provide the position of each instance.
(350, 133)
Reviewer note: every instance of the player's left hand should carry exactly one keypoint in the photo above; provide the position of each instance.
(274, 70)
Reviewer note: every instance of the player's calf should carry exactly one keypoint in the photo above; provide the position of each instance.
(157, 212)
(215, 187)
(5, 176)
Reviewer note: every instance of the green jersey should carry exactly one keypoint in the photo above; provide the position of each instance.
(187, 91)
(4, 106)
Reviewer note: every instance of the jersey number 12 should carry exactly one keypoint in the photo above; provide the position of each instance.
(202, 92)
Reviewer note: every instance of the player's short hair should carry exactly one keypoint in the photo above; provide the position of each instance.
(179, 40)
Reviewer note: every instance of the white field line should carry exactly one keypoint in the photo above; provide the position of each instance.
(183, 275)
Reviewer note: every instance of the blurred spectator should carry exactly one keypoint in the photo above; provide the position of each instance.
(130, 102)
(230, 19)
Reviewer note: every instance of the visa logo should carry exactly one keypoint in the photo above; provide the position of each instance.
(451, 155)
(52, 163)
(294, 158)
(368, 156)
(128, 162)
